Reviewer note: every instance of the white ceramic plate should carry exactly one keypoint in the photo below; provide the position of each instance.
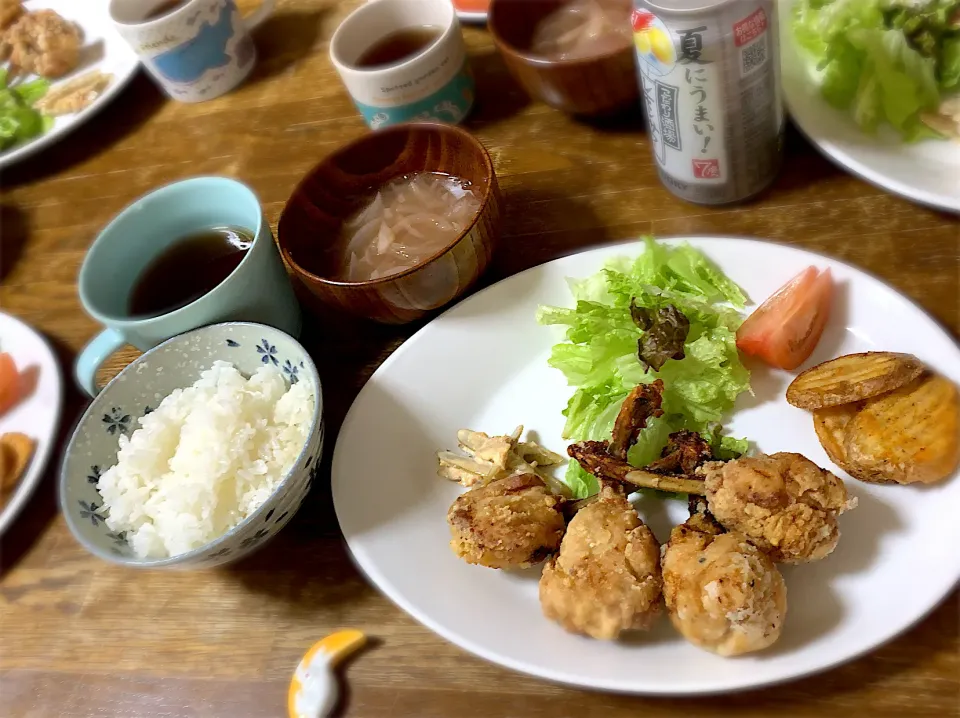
(926, 172)
(116, 59)
(483, 365)
(38, 415)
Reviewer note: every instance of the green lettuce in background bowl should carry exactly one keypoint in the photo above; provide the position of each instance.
(883, 60)
(19, 121)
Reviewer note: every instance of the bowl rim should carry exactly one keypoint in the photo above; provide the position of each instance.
(439, 127)
(316, 424)
(539, 61)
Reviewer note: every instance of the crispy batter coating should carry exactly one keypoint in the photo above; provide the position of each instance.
(513, 522)
(722, 593)
(606, 578)
(44, 43)
(10, 12)
(783, 503)
(684, 453)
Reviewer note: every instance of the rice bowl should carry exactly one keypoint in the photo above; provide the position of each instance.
(205, 459)
(119, 529)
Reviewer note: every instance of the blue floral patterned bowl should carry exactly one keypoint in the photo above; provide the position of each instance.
(177, 363)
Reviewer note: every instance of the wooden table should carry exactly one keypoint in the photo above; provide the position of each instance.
(79, 637)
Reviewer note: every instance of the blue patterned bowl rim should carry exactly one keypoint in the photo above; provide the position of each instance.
(316, 424)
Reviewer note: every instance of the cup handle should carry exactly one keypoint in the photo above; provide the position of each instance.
(93, 355)
(259, 15)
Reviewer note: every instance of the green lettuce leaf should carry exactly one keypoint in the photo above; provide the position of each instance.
(599, 354)
(19, 121)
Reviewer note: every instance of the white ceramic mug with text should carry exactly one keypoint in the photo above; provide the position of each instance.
(434, 84)
(197, 49)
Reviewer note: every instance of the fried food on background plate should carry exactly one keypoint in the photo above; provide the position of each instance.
(74, 95)
(911, 435)
(44, 43)
(784, 503)
(722, 593)
(514, 522)
(606, 578)
(852, 377)
(16, 450)
(10, 12)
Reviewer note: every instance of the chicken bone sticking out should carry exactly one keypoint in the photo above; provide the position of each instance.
(606, 578)
(784, 503)
(722, 593)
(489, 458)
(595, 459)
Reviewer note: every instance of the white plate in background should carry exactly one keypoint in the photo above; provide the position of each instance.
(927, 172)
(117, 60)
(37, 415)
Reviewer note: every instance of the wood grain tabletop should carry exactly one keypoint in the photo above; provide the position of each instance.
(79, 637)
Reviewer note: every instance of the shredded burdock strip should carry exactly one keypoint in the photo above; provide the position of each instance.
(488, 458)
(75, 95)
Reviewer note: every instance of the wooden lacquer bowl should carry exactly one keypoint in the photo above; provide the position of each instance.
(343, 181)
(596, 85)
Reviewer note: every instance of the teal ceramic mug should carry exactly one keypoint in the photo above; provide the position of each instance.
(258, 290)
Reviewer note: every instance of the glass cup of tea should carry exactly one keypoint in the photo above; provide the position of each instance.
(404, 61)
(193, 253)
(195, 49)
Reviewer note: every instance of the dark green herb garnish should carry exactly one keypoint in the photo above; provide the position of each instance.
(664, 332)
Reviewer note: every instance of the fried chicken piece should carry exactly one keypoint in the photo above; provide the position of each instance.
(783, 503)
(513, 522)
(44, 43)
(722, 593)
(10, 12)
(606, 578)
(684, 453)
(642, 403)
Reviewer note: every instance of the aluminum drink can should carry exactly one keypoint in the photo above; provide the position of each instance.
(710, 80)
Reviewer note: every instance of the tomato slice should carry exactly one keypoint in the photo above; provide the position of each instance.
(9, 383)
(641, 19)
(472, 5)
(785, 329)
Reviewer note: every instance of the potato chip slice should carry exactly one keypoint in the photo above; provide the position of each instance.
(910, 435)
(17, 450)
(853, 377)
(831, 426)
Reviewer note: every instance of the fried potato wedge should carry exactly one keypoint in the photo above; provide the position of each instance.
(16, 450)
(911, 435)
(831, 427)
(853, 377)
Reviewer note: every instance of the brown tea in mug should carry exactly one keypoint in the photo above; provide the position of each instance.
(188, 269)
(164, 8)
(398, 46)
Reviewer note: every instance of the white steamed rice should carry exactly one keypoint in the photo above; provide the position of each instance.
(205, 459)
